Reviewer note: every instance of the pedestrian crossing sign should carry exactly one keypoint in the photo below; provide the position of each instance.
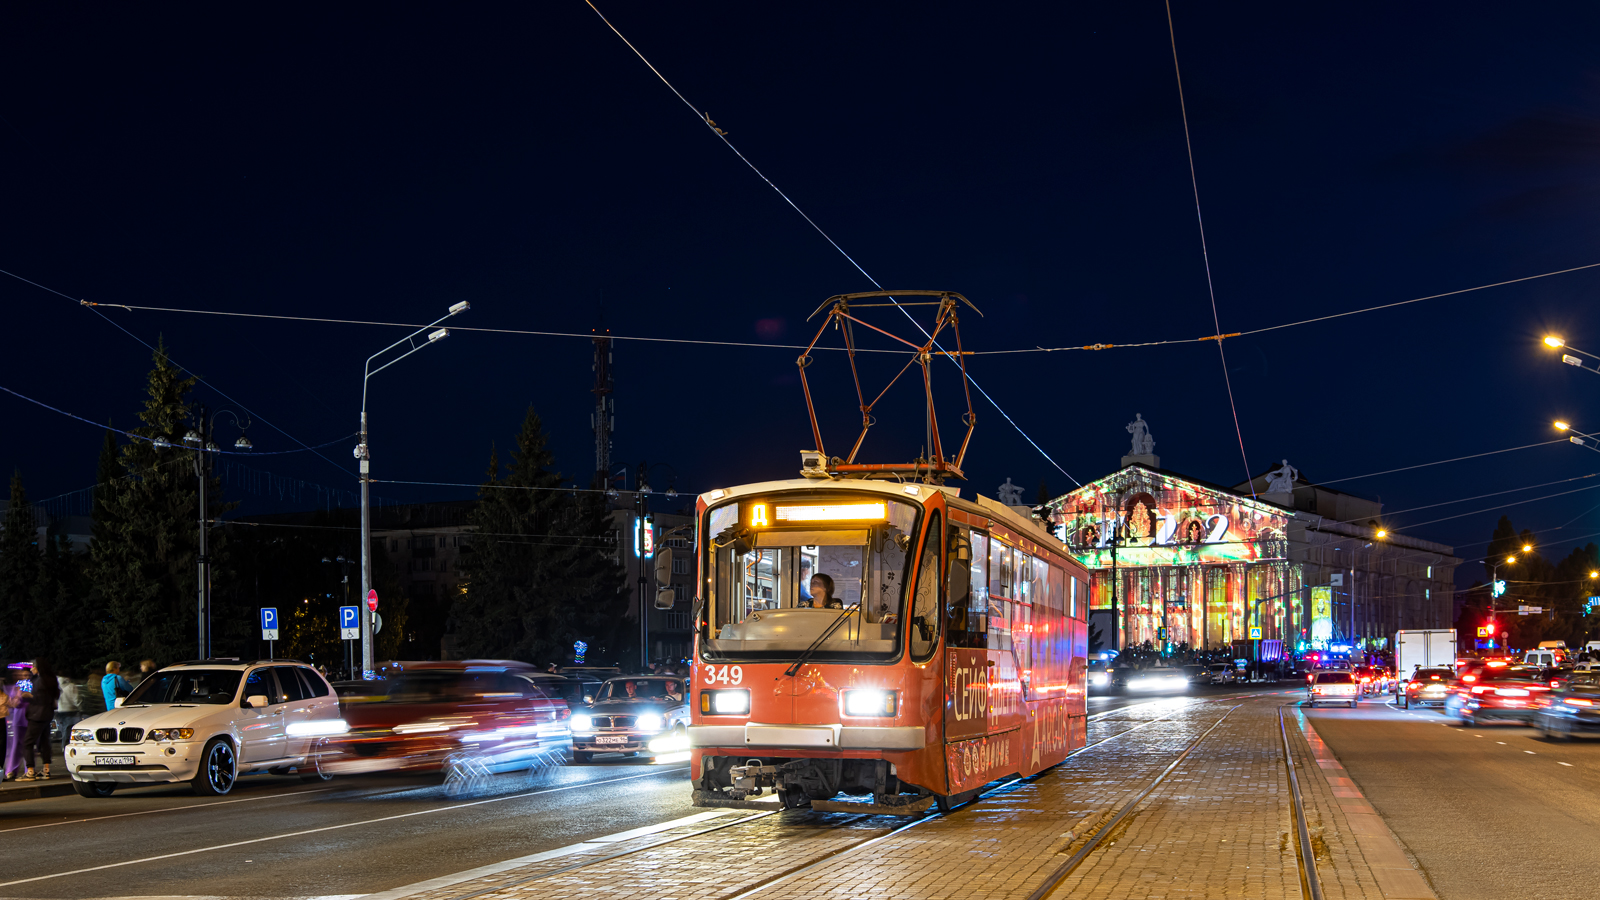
(1255, 633)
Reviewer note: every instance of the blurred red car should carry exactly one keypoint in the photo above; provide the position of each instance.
(470, 719)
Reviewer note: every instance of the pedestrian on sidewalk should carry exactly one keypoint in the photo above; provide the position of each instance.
(146, 667)
(16, 718)
(69, 706)
(113, 685)
(41, 709)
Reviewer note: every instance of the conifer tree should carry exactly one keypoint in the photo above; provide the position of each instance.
(19, 572)
(541, 572)
(144, 565)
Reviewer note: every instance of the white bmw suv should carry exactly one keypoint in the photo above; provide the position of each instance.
(207, 722)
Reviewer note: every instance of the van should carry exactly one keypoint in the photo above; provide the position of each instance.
(1546, 659)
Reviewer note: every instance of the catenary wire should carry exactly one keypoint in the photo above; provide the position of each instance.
(1442, 461)
(1205, 255)
(723, 135)
(139, 437)
(763, 346)
(253, 414)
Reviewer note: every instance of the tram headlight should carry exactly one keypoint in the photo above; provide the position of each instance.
(725, 703)
(872, 702)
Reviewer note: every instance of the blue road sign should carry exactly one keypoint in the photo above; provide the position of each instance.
(350, 623)
(269, 624)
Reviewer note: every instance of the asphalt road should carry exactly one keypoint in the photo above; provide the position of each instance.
(277, 837)
(1488, 811)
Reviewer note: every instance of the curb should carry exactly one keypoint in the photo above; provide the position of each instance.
(1397, 878)
(52, 788)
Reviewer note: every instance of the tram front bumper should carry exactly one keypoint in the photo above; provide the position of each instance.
(811, 737)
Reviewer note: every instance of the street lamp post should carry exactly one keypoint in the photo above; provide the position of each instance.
(199, 437)
(364, 455)
(646, 572)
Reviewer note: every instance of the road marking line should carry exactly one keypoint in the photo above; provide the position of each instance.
(290, 834)
(150, 812)
(444, 881)
(1559, 763)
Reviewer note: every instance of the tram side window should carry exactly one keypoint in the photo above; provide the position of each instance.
(925, 616)
(999, 613)
(1057, 634)
(973, 612)
(958, 584)
(1022, 610)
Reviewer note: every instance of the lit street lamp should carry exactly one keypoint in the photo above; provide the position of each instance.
(1577, 437)
(364, 455)
(1555, 342)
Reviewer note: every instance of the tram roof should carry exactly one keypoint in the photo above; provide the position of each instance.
(986, 505)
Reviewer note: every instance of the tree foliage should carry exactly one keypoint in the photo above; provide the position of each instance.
(144, 553)
(541, 572)
(19, 575)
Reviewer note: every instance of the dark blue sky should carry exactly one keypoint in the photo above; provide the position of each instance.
(383, 162)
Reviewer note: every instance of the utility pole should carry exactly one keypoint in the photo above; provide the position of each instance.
(604, 418)
(202, 471)
(646, 539)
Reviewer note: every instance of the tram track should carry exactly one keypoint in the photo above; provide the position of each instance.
(800, 869)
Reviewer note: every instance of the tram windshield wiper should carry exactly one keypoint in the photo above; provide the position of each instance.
(826, 633)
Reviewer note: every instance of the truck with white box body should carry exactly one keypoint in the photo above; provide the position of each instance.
(1422, 648)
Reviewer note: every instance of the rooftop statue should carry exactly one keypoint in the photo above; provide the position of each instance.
(1282, 480)
(1143, 443)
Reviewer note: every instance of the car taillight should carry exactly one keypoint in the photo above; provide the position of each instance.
(1578, 701)
(1469, 678)
(563, 713)
(1413, 685)
(1480, 689)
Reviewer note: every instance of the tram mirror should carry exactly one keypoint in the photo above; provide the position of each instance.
(663, 567)
(665, 599)
(741, 539)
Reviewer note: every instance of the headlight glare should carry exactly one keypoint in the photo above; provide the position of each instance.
(648, 722)
(582, 722)
(871, 702)
(725, 703)
(315, 728)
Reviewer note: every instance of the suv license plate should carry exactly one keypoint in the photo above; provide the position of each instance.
(609, 739)
(113, 760)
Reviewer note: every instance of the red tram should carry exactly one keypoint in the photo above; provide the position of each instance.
(943, 647)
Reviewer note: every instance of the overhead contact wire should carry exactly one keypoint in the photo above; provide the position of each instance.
(706, 119)
(1205, 254)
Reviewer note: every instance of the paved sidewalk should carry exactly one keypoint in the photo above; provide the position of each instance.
(59, 785)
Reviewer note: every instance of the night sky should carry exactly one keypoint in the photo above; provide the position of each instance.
(380, 163)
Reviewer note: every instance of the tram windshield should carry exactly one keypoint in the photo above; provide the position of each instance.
(786, 570)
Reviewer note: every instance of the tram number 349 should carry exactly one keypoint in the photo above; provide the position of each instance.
(724, 675)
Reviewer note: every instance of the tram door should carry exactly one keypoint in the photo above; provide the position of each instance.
(966, 709)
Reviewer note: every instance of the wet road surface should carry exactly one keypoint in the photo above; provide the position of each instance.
(1488, 810)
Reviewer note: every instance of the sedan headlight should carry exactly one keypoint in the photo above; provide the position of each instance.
(871, 702)
(725, 703)
(648, 722)
(82, 735)
(171, 734)
(582, 722)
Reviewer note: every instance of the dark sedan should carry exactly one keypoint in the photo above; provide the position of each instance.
(1571, 709)
(1497, 692)
(647, 714)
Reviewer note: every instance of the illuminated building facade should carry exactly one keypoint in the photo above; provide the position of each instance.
(1214, 568)
(1193, 564)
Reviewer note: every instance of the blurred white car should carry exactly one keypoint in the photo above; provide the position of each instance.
(207, 723)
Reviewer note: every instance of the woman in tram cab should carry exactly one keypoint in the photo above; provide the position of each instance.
(821, 594)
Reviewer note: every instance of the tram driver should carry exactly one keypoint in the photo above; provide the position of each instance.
(821, 594)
